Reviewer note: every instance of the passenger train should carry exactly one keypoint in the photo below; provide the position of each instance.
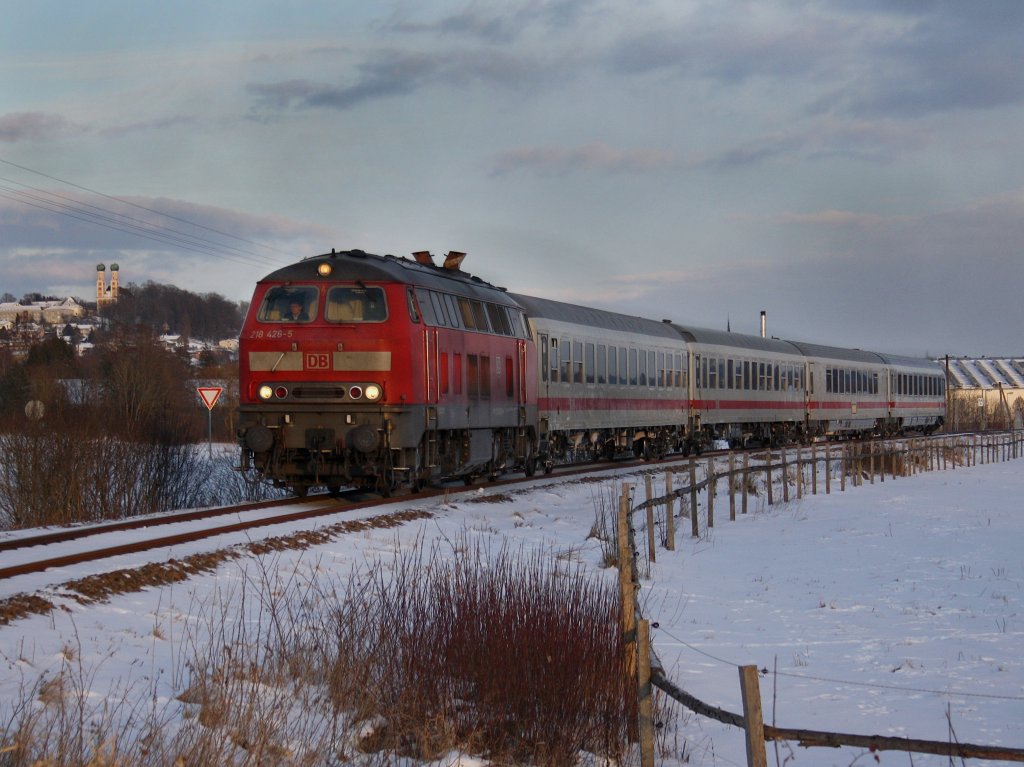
(385, 372)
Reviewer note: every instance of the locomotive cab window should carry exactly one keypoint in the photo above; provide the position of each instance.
(289, 304)
(356, 304)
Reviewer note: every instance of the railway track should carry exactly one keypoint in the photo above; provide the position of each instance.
(57, 548)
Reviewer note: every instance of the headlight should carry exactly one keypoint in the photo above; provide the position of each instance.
(324, 270)
(372, 392)
(355, 392)
(266, 391)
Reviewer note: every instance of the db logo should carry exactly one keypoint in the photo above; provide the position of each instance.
(318, 361)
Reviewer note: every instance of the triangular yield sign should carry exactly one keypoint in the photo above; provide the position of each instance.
(210, 395)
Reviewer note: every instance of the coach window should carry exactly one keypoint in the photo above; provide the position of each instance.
(623, 366)
(632, 367)
(641, 377)
(565, 359)
(712, 376)
(590, 363)
(577, 362)
(543, 339)
(602, 363)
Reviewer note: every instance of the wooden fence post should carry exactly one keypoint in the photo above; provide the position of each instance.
(732, 487)
(753, 723)
(652, 553)
(670, 514)
(768, 477)
(694, 527)
(814, 469)
(626, 583)
(645, 698)
(746, 479)
(799, 473)
(828, 470)
(785, 477)
(844, 463)
(712, 483)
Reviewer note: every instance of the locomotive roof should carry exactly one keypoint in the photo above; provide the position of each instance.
(359, 265)
(595, 318)
(737, 340)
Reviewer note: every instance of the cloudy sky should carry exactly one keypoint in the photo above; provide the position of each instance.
(855, 169)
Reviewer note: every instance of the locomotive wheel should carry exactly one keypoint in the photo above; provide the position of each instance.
(530, 468)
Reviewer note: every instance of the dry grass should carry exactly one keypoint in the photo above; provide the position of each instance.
(509, 655)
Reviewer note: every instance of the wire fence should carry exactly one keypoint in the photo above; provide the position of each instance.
(851, 463)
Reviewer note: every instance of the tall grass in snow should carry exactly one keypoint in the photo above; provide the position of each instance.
(509, 655)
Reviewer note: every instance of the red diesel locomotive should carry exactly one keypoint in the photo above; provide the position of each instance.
(381, 372)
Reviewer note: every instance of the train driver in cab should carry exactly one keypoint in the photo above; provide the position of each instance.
(296, 311)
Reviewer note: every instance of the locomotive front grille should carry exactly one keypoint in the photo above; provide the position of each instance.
(319, 391)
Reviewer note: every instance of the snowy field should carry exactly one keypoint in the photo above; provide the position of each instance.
(892, 609)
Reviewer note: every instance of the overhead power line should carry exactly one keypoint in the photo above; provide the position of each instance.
(70, 207)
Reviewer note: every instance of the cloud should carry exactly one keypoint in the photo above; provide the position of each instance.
(390, 73)
(35, 126)
(935, 58)
(903, 60)
(500, 23)
(556, 161)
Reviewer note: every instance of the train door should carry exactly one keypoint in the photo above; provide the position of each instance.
(809, 397)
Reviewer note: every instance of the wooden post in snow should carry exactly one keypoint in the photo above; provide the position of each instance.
(645, 697)
(753, 722)
(732, 487)
(746, 479)
(652, 553)
(694, 527)
(712, 483)
(670, 514)
(626, 583)
(785, 477)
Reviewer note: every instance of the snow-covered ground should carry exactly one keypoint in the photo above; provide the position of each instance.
(895, 608)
